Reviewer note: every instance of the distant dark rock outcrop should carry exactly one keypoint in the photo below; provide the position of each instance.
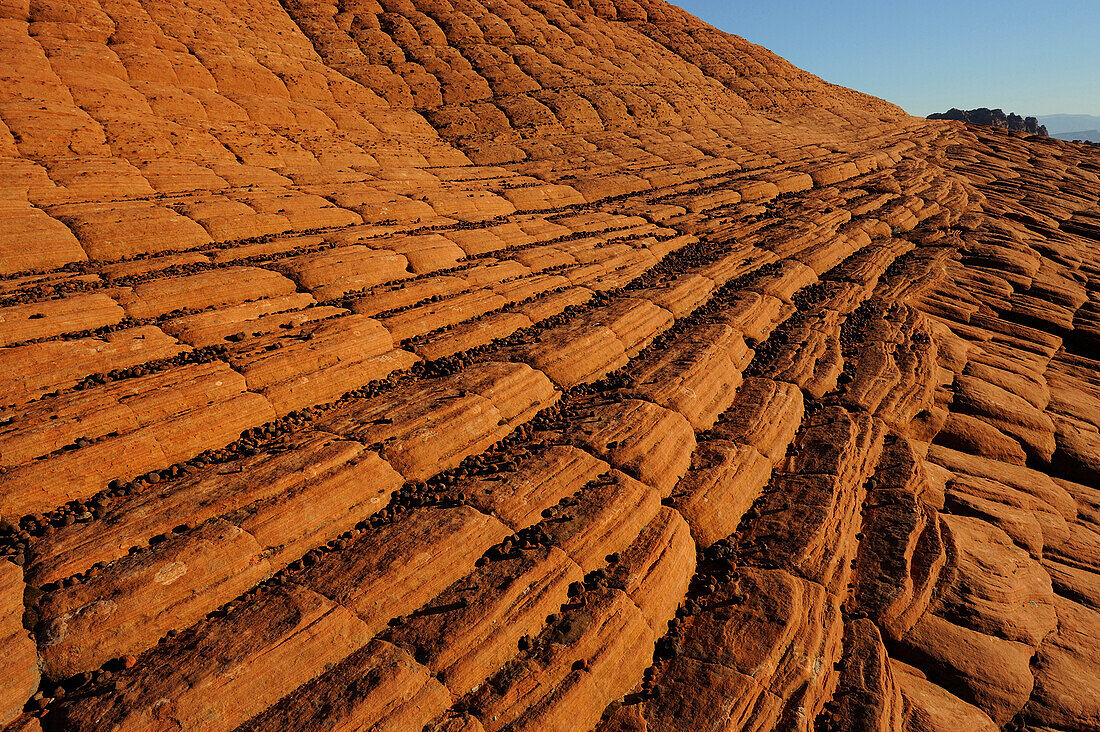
(995, 118)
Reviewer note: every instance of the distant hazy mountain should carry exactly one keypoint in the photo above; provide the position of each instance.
(1090, 135)
(1058, 124)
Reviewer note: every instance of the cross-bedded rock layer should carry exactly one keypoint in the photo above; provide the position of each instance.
(552, 365)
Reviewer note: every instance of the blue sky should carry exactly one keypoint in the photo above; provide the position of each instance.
(1029, 57)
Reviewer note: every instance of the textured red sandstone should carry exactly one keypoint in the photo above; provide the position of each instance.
(470, 366)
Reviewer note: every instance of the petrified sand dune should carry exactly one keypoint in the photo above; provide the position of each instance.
(545, 365)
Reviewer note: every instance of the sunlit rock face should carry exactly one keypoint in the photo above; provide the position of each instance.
(529, 366)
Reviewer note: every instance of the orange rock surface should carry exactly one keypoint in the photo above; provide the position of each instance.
(546, 365)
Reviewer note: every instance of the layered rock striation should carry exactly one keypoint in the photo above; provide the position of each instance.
(543, 365)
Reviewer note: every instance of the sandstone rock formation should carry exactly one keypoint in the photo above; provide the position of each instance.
(995, 118)
(545, 365)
